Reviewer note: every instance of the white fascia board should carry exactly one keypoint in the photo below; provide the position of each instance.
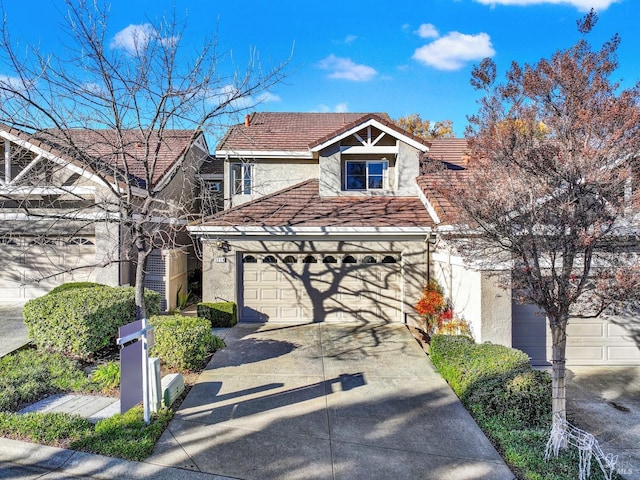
(379, 126)
(477, 265)
(60, 215)
(28, 191)
(425, 201)
(246, 154)
(250, 231)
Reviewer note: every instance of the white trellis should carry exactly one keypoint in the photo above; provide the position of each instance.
(564, 434)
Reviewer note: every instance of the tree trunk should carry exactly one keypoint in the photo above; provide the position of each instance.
(141, 266)
(558, 385)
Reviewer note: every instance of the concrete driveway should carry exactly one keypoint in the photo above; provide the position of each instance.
(325, 401)
(13, 332)
(605, 401)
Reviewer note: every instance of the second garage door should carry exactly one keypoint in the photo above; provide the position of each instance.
(321, 287)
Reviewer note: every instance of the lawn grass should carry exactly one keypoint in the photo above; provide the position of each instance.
(29, 375)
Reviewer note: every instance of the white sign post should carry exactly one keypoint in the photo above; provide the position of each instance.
(143, 333)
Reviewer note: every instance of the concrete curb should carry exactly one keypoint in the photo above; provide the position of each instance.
(18, 456)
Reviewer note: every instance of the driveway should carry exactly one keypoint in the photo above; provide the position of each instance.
(13, 332)
(325, 401)
(605, 401)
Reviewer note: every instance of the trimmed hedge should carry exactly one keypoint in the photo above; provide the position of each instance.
(82, 321)
(73, 285)
(462, 362)
(181, 342)
(493, 380)
(220, 314)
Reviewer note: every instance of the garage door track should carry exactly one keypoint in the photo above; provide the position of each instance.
(325, 401)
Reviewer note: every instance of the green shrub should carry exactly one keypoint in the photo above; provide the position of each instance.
(523, 397)
(220, 314)
(82, 321)
(181, 342)
(73, 285)
(462, 362)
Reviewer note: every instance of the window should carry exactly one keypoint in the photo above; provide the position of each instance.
(329, 259)
(249, 259)
(389, 259)
(269, 259)
(369, 259)
(241, 178)
(366, 175)
(349, 259)
(309, 259)
(289, 259)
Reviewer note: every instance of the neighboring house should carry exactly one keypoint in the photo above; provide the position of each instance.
(324, 219)
(493, 313)
(60, 219)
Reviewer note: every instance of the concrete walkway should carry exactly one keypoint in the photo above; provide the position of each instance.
(325, 401)
(13, 331)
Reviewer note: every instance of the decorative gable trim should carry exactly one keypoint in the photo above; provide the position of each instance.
(369, 144)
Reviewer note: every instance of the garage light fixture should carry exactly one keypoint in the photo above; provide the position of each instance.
(222, 245)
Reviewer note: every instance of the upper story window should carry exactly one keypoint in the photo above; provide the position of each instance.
(242, 175)
(366, 175)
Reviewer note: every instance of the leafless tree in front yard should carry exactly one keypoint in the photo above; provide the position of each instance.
(552, 187)
(118, 109)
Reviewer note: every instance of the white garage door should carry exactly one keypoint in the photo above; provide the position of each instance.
(593, 341)
(32, 267)
(321, 287)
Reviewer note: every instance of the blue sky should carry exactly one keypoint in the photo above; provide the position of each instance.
(393, 57)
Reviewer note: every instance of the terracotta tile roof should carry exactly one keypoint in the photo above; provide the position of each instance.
(302, 206)
(282, 131)
(453, 151)
(436, 180)
(103, 146)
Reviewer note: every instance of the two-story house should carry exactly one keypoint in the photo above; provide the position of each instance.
(324, 220)
(62, 216)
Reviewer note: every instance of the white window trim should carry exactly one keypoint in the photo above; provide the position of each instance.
(385, 175)
(244, 168)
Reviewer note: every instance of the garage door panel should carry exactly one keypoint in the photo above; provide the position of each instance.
(597, 341)
(339, 292)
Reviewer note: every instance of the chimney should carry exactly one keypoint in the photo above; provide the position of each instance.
(247, 120)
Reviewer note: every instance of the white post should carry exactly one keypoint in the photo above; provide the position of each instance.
(145, 373)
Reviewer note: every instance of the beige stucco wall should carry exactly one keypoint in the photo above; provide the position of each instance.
(479, 297)
(269, 176)
(403, 170)
(221, 271)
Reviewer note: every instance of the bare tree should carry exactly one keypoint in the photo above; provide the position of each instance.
(550, 189)
(122, 113)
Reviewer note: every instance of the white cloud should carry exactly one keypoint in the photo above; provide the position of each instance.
(268, 97)
(346, 69)
(133, 37)
(349, 39)
(583, 5)
(454, 50)
(14, 83)
(427, 30)
(339, 108)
